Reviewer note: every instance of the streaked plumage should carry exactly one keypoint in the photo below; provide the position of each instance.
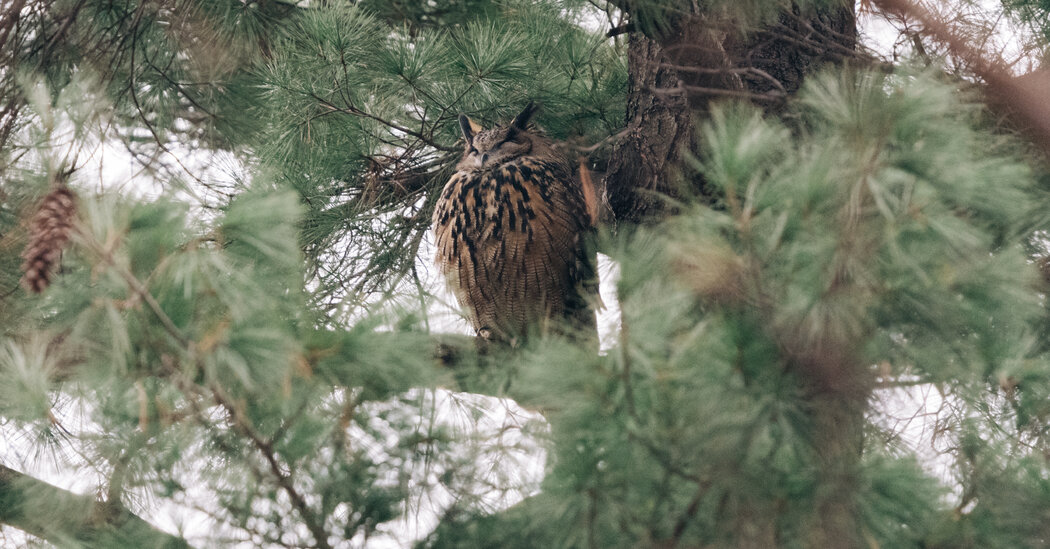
(512, 230)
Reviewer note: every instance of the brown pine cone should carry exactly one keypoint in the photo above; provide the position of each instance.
(49, 231)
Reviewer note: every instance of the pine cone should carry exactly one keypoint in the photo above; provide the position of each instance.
(49, 231)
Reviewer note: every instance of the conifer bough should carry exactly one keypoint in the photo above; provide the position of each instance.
(231, 356)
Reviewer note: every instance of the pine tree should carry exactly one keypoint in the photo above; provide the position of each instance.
(800, 229)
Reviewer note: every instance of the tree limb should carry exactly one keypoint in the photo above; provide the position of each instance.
(60, 516)
(1026, 98)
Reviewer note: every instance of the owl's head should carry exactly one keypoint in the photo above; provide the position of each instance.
(485, 149)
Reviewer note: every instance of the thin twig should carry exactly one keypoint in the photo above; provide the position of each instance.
(622, 29)
(682, 89)
(1029, 102)
(136, 286)
(9, 20)
(607, 140)
(358, 112)
(314, 523)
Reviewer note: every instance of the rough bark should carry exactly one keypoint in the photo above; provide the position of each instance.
(645, 171)
(65, 518)
(647, 161)
(782, 54)
(676, 70)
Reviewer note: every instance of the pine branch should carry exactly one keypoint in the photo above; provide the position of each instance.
(354, 111)
(314, 523)
(9, 18)
(716, 92)
(139, 288)
(53, 514)
(1028, 101)
(622, 29)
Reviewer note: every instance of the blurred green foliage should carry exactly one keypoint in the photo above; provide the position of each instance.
(248, 343)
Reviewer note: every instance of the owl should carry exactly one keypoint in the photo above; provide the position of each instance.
(513, 235)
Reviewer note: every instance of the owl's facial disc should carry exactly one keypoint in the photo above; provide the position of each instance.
(491, 148)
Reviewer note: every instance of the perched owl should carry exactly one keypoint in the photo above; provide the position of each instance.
(513, 231)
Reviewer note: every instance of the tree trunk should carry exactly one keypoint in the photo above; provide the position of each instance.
(646, 166)
(677, 69)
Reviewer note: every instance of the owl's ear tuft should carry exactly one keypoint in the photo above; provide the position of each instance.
(469, 127)
(523, 118)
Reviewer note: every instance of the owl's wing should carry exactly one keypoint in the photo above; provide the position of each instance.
(516, 247)
(572, 241)
(454, 257)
